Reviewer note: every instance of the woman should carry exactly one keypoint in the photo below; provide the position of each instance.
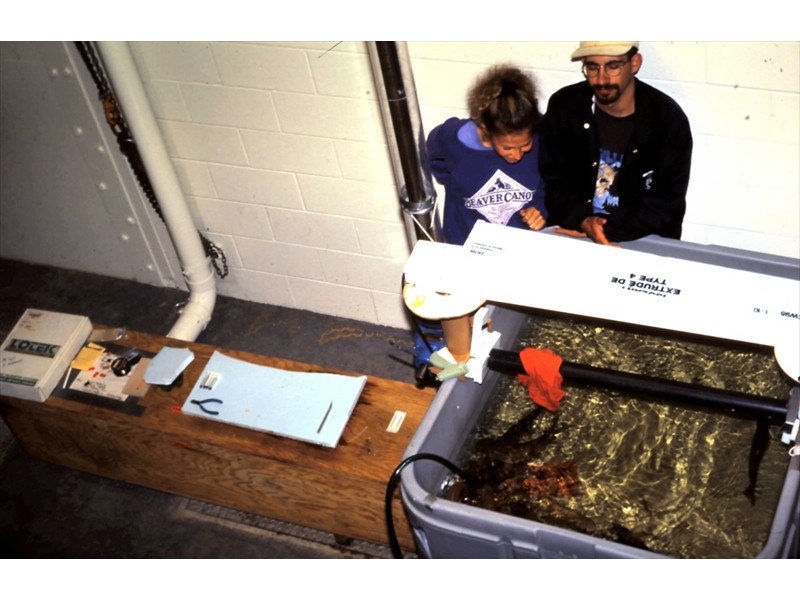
(488, 164)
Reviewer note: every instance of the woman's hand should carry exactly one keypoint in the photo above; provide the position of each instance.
(532, 218)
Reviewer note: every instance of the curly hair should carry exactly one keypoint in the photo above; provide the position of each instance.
(503, 100)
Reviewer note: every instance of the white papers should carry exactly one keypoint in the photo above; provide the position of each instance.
(99, 380)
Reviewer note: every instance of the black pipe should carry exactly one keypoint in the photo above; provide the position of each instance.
(506, 361)
(417, 196)
(401, 121)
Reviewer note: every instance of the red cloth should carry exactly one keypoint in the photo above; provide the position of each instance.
(543, 378)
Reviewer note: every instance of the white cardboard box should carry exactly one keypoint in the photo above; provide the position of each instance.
(37, 352)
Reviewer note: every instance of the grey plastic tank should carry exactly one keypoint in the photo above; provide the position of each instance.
(446, 529)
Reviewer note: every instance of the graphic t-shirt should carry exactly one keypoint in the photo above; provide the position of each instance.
(613, 135)
(479, 184)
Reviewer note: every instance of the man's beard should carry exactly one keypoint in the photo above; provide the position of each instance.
(608, 98)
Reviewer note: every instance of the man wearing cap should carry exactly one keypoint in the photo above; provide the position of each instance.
(616, 152)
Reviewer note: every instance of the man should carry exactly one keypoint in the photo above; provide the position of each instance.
(616, 152)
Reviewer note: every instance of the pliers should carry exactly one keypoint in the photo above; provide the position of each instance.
(201, 404)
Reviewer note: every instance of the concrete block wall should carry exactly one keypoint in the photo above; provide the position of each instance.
(743, 104)
(281, 152)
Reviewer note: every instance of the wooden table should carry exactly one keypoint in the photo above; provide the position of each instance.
(339, 490)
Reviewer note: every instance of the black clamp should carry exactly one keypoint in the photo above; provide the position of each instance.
(123, 364)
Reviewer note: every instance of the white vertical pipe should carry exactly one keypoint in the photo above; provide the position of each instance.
(196, 266)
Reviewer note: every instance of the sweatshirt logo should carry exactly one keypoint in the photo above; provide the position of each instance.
(499, 198)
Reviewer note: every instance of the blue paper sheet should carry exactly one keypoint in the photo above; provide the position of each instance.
(312, 407)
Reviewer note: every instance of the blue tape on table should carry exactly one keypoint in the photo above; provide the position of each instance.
(312, 407)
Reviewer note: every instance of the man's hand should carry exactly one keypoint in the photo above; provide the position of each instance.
(592, 228)
(533, 218)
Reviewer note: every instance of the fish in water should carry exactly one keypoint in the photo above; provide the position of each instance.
(559, 479)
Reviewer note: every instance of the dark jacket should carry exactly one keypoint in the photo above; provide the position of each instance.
(652, 180)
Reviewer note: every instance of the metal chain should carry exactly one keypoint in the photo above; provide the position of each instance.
(116, 120)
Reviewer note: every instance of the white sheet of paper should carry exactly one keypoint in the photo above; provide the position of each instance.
(100, 380)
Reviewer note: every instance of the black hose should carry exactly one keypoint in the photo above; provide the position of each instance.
(506, 361)
(390, 487)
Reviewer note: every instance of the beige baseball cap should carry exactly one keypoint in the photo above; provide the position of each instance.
(602, 49)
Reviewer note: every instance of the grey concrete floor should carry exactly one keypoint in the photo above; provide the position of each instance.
(48, 511)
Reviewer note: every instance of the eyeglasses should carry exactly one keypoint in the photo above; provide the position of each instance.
(611, 68)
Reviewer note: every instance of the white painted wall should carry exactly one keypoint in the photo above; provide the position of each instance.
(67, 196)
(743, 104)
(281, 152)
